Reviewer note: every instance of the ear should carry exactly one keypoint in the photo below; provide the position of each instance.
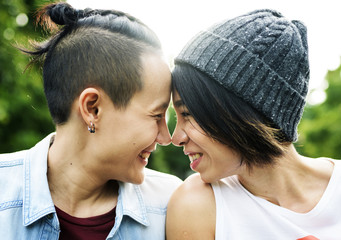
(89, 101)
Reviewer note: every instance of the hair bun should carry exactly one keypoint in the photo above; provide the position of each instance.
(63, 14)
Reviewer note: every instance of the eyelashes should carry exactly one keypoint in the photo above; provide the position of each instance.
(158, 116)
(185, 114)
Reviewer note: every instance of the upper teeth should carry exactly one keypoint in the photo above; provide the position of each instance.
(145, 155)
(194, 157)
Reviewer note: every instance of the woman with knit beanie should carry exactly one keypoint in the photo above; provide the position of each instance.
(239, 93)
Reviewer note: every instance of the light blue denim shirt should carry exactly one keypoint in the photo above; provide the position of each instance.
(27, 211)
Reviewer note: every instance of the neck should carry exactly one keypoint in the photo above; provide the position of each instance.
(75, 186)
(294, 182)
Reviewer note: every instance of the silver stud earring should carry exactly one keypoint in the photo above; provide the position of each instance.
(91, 128)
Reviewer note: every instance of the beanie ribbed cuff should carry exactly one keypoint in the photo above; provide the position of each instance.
(249, 77)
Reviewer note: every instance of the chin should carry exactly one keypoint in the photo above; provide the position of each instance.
(138, 182)
(207, 179)
(138, 178)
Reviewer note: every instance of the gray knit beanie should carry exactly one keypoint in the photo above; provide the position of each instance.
(261, 57)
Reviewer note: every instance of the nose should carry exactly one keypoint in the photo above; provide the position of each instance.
(163, 138)
(179, 137)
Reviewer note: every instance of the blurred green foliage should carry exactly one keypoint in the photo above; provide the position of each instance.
(320, 128)
(24, 117)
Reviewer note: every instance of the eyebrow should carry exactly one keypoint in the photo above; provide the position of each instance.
(161, 107)
(178, 104)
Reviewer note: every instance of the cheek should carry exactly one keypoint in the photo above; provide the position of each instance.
(199, 137)
(221, 154)
(146, 134)
(229, 161)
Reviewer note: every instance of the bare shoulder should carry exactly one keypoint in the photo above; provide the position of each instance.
(191, 211)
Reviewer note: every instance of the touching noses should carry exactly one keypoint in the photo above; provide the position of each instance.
(163, 138)
(179, 137)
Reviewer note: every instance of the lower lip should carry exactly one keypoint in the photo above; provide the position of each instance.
(144, 161)
(195, 163)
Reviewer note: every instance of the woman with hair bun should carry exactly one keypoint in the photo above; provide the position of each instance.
(108, 89)
(239, 94)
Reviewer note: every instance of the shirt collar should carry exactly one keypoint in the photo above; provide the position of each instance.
(38, 203)
(37, 200)
(131, 203)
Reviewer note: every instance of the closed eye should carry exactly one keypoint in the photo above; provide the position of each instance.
(158, 116)
(185, 114)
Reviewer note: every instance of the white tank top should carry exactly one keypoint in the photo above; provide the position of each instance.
(243, 216)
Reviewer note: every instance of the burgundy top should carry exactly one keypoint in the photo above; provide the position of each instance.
(96, 228)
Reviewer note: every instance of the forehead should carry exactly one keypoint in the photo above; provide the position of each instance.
(176, 99)
(155, 71)
(156, 78)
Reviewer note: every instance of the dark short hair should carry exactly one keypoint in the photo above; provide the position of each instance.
(93, 48)
(227, 118)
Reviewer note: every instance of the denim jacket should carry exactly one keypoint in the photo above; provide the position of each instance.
(27, 211)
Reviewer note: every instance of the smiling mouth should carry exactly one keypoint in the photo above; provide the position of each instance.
(144, 155)
(194, 157)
